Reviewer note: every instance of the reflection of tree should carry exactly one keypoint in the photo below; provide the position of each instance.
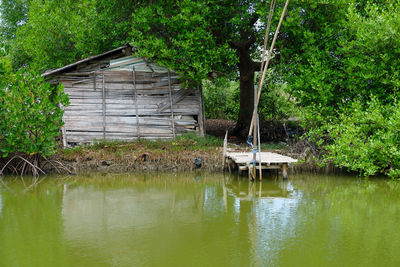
(31, 232)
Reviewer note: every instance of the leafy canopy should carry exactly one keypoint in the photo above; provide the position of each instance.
(340, 59)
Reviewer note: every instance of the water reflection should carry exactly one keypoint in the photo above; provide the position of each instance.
(200, 220)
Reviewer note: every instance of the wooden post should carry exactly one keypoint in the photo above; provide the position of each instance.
(284, 171)
(225, 195)
(103, 96)
(64, 137)
(250, 169)
(255, 132)
(172, 108)
(200, 117)
(259, 146)
(63, 132)
(136, 104)
(224, 150)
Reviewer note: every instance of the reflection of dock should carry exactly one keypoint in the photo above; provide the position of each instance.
(243, 161)
(249, 191)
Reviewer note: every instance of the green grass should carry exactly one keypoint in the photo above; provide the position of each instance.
(273, 146)
(190, 141)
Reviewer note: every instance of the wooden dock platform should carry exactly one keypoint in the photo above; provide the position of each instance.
(243, 161)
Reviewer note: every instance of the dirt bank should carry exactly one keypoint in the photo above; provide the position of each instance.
(185, 153)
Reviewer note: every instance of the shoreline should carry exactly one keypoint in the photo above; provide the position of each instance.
(167, 156)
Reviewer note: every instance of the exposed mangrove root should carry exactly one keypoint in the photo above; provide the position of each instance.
(35, 165)
(20, 163)
(59, 167)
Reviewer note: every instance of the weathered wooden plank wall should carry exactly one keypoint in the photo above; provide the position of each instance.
(126, 105)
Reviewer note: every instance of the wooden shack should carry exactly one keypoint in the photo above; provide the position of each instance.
(116, 96)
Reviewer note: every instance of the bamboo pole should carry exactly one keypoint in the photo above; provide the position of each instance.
(271, 12)
(259, 147)
(266, 66)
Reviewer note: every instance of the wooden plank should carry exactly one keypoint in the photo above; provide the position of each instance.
(129, 120)
(83, 139)
(122, 130)
(142, 100)
(177, 97)
(266, 158)
(94, 126)
(142, 112)
(127, 130)
(148, 107)
(89, 85)
(99, 134)
(115, 93)
(115, 87)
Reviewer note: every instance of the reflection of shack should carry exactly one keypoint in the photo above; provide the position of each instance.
(123, 220)
(116, 96)
(89, 211)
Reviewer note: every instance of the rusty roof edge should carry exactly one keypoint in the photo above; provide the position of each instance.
(66, 67)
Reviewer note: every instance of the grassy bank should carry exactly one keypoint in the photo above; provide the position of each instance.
(178, 154)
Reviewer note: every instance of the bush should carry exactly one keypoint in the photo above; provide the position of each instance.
(366, 140)
(30, 115)
(222, 98)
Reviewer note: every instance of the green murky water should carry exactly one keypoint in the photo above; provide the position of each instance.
(199, 220)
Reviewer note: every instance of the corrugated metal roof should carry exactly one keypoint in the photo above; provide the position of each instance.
(135, 63)
(67, 67)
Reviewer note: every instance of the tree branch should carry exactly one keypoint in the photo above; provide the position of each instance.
(243, 44)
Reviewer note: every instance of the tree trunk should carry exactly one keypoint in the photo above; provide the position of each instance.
(246, 69)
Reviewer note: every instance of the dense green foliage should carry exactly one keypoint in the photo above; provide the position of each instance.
(61, 32)
(13, 14)
(337, 60)
(366, 140)
(341, 63)
(180, 35)
(30, 115)
(335, 54)
(221, 100)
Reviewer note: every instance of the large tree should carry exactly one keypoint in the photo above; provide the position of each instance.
(199, 39)
(60, 32)
(13, 13)
(204, 39)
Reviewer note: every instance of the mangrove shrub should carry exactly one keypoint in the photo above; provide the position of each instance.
(30, 113)
(366, 140)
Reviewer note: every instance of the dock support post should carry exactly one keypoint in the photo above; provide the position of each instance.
(225, 148)
(285, 171)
